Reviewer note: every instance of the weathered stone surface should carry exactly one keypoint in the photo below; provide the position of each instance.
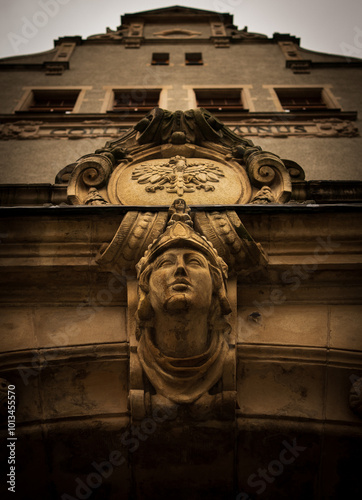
(346, 327)
(17, 329)
(67, 326)
(274, 323)
(291, 389)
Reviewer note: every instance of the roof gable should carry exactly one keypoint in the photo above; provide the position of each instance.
(179, 11)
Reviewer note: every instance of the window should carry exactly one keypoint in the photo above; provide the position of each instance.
(218, 29)
(53, 101)
(49, 101)
(160, 58)
(306, 99)
(135, 100)
(193, 59)
(220, 99)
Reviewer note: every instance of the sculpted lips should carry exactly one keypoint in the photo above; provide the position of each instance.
(180, 284)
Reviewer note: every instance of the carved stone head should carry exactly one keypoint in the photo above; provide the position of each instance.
(182, 330)
(181, 270)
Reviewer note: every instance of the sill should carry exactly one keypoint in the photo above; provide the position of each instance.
(224, 109)
(137, 110)
(42, 112)
(312, 110)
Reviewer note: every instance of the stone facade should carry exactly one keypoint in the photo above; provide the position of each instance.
(180, 311)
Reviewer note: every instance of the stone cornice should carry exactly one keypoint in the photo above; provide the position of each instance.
(106, 119)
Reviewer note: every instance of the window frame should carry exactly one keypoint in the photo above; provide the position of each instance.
(189, 60)
(246, 100)
(161, 62)
(108, 102)
(331, 103)
(29, 94)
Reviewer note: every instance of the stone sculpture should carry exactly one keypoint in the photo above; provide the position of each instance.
(188, 154)
(182, 330)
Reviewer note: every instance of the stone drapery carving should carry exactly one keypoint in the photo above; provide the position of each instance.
(224, 230)
(190, 154)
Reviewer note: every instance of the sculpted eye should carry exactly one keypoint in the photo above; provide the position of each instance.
(195, 261)
(164, 263)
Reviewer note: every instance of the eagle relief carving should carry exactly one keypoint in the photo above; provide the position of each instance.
(178, 175)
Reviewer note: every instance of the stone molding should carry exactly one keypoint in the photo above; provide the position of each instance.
(248, 127)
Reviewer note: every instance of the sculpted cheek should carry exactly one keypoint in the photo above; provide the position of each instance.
(158, 280)
(158, 289)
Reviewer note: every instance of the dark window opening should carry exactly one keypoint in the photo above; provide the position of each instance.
(193, 58)
(53, 101)
(135, 100)
(302, 99)
(219, 100)
(160, 58)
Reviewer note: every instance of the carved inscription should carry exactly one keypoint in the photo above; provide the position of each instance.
(316, 128)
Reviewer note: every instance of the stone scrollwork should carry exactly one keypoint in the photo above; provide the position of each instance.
(268, 170)
(91, 171)
(190, 154)
(295, 171)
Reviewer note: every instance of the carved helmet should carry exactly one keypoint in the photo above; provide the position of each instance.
(181, 235)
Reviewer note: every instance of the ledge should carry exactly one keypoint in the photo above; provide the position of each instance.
(292, 208)
(310, 193)
(130, 120)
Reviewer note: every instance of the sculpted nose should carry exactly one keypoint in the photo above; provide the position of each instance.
(180, 268)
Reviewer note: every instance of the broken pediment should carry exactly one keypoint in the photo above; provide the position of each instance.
(191, 155)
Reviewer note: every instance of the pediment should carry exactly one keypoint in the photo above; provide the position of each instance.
(189, 155)
(175, 10)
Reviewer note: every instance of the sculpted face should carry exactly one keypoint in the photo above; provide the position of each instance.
(180, 280)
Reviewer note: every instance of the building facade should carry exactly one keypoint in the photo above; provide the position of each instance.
(180, 135)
